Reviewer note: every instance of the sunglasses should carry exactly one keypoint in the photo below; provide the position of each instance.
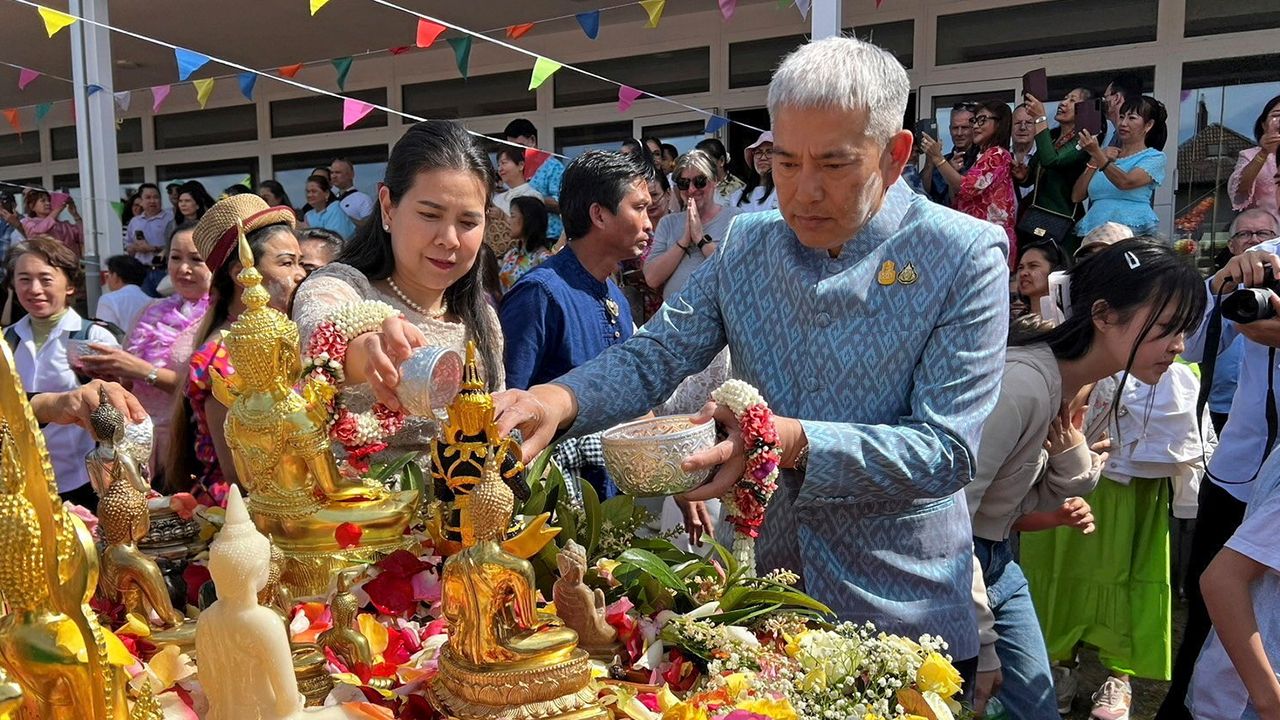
(980, 120)
(699, 182)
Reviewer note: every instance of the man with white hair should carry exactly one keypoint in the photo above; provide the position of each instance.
(871, 320)
(355, 204)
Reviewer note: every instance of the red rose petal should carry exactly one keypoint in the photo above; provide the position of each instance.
(348, 535)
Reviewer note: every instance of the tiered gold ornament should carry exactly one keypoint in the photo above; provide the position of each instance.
(279, 442)
(51, 644)
(504, 659)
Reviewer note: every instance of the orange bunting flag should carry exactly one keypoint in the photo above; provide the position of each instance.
(14, 120)
(654, 9)
(428, 32)
(291, 70)
(515, 32)
(54, 20)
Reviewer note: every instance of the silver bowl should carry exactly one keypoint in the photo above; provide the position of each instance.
(429, 380)
(644, 456)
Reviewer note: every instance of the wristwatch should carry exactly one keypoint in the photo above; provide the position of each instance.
(801, 462)
(152, 376)
(704, 241)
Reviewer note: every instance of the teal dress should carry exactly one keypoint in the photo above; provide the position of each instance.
(1108, 203)
(333, 218)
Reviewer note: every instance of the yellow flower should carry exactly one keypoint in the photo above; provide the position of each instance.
(374, 631)
(667, 699)
(136, 626)
(736, 684)
(777, 709)
(685, 711)
(938, 676)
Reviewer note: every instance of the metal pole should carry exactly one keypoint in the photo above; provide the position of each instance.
(825, 15)
(95, 141)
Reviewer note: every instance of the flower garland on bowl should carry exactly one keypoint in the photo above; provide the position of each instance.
(361, 434)
(745, 505)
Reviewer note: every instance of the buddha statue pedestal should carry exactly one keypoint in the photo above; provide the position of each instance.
(279, 440)
(561, 692)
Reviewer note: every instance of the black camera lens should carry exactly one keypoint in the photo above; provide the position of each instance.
(1248, 305)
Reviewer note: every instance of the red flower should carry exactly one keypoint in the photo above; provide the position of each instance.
(327, 339)
(391, 593)
(195, 576)
(403, 564)
(681, 675)
(348, 535)
(345, 428)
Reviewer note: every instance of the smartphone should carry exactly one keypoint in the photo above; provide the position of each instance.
(1089, 116)
(927, 126)
(1036, 84)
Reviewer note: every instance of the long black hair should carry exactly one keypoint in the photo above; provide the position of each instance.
(427, 146)
(1124, 278)
(533, 223)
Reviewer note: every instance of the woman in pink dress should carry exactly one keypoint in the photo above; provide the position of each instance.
(986, 191)
(43, 210)
(1252, 184)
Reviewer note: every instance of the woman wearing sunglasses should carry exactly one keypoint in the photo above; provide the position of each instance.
(684, 240)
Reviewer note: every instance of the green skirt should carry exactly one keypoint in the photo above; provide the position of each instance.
(1109, 589)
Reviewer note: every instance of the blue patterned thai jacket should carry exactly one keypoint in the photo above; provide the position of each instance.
(890, 354)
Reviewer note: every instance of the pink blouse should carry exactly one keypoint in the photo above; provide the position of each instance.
(1262, 194)
(987, 193)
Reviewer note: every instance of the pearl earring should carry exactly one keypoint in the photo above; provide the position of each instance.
(386, 227)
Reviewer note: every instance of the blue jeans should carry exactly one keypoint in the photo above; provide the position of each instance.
(1027, 689)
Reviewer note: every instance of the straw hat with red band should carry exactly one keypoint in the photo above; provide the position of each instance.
(750, 152)
(216, 233)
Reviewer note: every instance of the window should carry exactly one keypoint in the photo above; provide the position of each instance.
(1211, 17)
(896, 37)
(323, 114)
(573, 141)
(128, 139)
(751, 63)
(1043, 27)
(292, 171)
(216, 176)
(498, 94)
(674, 72)
(1221, 100)
(237, 123)
(20, 148)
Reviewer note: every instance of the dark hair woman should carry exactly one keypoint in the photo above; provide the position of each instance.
(1121, 185)
(1057, 163)
(986, 190)
(529, 231)
(413, 266)
(1252, 184)
(193, 202)
(274, 194)
(1131, 307)
(326, 212)
(758, 195)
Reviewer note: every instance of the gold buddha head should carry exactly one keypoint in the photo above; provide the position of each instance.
(471, 412)
(106, 420)
(263, 342)
(489, 507)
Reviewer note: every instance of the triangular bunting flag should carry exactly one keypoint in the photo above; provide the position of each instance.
(543, 68)
(654, 9)
(26, 77)
(714, 124)
(784, 4)
(42, 110)
(54, 20)
(626, 96)
(879, 3)
(204, 88)
(428, 32)
(90, 89)
(589, 22)
(317, 4)
(158, 94)
(515, 32)
(123, 99)
(117, 206)
(399, 49)
(247, 81)
(343, 66)
(188, 62)
(353, 111)
(14, 121)
(803, 7)
(290, 70)
(247, 181)
(727, 7)
(462, 53)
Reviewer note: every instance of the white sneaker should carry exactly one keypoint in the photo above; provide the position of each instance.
(1065, 685)
(1112, 700)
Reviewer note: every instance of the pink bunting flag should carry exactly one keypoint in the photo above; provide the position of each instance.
(26, 77)
(626, 96)
(728, 6)
(158, 94)
(353, 111)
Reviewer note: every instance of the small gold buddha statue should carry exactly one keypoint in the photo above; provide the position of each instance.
(51, 644)
(279, 442)
(582, 609)
(504, 658)
(468, 440)
(343, 639)
(275, 595)
(128, 576)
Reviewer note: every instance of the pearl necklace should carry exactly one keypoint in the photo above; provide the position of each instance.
(433, 314)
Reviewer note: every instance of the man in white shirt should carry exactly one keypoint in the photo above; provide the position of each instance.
(146, 235)
(125, 302)
(355, 204)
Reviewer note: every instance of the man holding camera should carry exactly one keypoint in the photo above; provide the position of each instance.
(1250, 432)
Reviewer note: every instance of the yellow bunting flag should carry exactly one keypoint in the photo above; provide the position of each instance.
(317, 4)
(204, 88)
(654, 8)
(54, 20)
(542, 69)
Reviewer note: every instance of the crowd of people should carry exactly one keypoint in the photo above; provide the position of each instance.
(981, 367)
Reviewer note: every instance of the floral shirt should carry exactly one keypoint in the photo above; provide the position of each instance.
(987, 193)
(517, 262)
(210, 356)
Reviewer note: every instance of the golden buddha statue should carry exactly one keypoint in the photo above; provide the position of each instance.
(504, 658)
(343, 639)
(468, 440)
(51, 644)
(128, 576)
(279, 442)
(275, 595)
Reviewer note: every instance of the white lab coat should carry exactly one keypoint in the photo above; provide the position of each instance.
(47, 370)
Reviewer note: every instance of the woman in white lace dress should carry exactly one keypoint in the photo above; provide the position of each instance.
(417, 254)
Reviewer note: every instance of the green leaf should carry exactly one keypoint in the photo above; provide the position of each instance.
(789, 598)
(727, 561)
(591, 518)
(567, 519)
(653, 566)
(619, 509)
(740, 617)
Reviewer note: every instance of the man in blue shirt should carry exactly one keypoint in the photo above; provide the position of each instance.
(872, 320)
(544, 172)
(568, 310)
